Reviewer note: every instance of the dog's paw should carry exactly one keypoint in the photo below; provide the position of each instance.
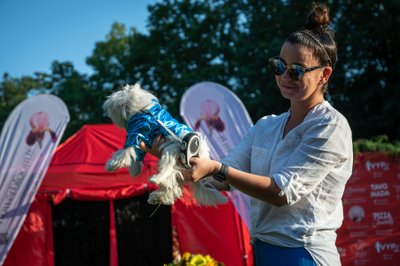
(111, 165)
(153, 199)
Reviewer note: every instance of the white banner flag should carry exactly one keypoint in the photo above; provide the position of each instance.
(218, 113)
(27, 142)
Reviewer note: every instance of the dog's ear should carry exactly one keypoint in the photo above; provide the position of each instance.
(131, 88)
(126, 88)
(136, 87)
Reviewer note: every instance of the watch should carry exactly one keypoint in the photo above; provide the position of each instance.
(221, 174)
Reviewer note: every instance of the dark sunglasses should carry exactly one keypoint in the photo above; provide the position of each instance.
(296, 72)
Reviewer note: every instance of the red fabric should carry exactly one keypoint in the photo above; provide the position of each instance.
(369, 237)
(33, 246)
(79, 161)
(212, 230)
(245, 246)
(77, 171)
(100, 194)
(370, 234)
(49, 237)
(113, 237)
(77, 168)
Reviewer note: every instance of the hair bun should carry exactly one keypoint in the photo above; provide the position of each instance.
(318, 19)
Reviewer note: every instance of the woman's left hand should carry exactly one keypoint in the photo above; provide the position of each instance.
(201, 167)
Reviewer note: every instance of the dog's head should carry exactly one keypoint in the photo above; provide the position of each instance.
(126, 102)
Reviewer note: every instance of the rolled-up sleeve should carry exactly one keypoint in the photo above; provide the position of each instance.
(323, 148)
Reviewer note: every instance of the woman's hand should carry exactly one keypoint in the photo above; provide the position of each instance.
(155, 149)
(201, 167)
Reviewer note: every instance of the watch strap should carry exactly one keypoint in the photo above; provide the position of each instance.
(221, 174)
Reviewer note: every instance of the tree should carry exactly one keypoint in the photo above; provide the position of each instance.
(267, 24)
(229, 42)
(84, 102)
(188, 42)
(12, 92)
(109, 59)
(366, 84)
(193, 41)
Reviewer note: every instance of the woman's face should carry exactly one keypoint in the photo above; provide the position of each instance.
(309, 88)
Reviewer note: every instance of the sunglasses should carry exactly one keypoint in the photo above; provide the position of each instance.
(296, 72)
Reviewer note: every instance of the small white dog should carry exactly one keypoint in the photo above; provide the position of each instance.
(139, 112)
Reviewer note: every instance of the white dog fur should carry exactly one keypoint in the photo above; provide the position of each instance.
(130, 100)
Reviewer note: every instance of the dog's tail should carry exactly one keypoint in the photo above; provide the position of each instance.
(206, 194)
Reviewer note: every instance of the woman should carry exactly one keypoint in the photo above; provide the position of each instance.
(294, 165)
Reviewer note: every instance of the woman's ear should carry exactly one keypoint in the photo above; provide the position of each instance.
(326, 73)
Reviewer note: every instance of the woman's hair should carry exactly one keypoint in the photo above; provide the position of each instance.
(317, 36)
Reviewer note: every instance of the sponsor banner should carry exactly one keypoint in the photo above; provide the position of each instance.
(27, 142)
(218, 113)
(373, 166)
(370, 232)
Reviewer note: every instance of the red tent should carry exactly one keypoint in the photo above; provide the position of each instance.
(77, 172)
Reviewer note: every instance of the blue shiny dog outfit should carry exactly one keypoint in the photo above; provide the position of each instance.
(144, 127)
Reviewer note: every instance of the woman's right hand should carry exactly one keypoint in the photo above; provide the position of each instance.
(155, 149)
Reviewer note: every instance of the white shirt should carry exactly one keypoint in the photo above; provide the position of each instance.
(311, 166)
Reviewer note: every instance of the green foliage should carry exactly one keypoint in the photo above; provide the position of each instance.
(377, 144)
(110, 57)
(83, 100)
(229, 42)
(365, 85)
(193, 41)
(12, 92)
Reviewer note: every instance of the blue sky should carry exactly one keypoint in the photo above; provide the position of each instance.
(34, 33)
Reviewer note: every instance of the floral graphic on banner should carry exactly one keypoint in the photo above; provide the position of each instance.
(39, 123)
(209, 113)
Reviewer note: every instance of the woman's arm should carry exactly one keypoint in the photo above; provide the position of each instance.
(260, 187)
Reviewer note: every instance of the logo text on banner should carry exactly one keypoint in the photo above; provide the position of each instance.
(27, 142)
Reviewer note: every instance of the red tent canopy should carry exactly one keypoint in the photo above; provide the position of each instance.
(77, 166)
(77, 171)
